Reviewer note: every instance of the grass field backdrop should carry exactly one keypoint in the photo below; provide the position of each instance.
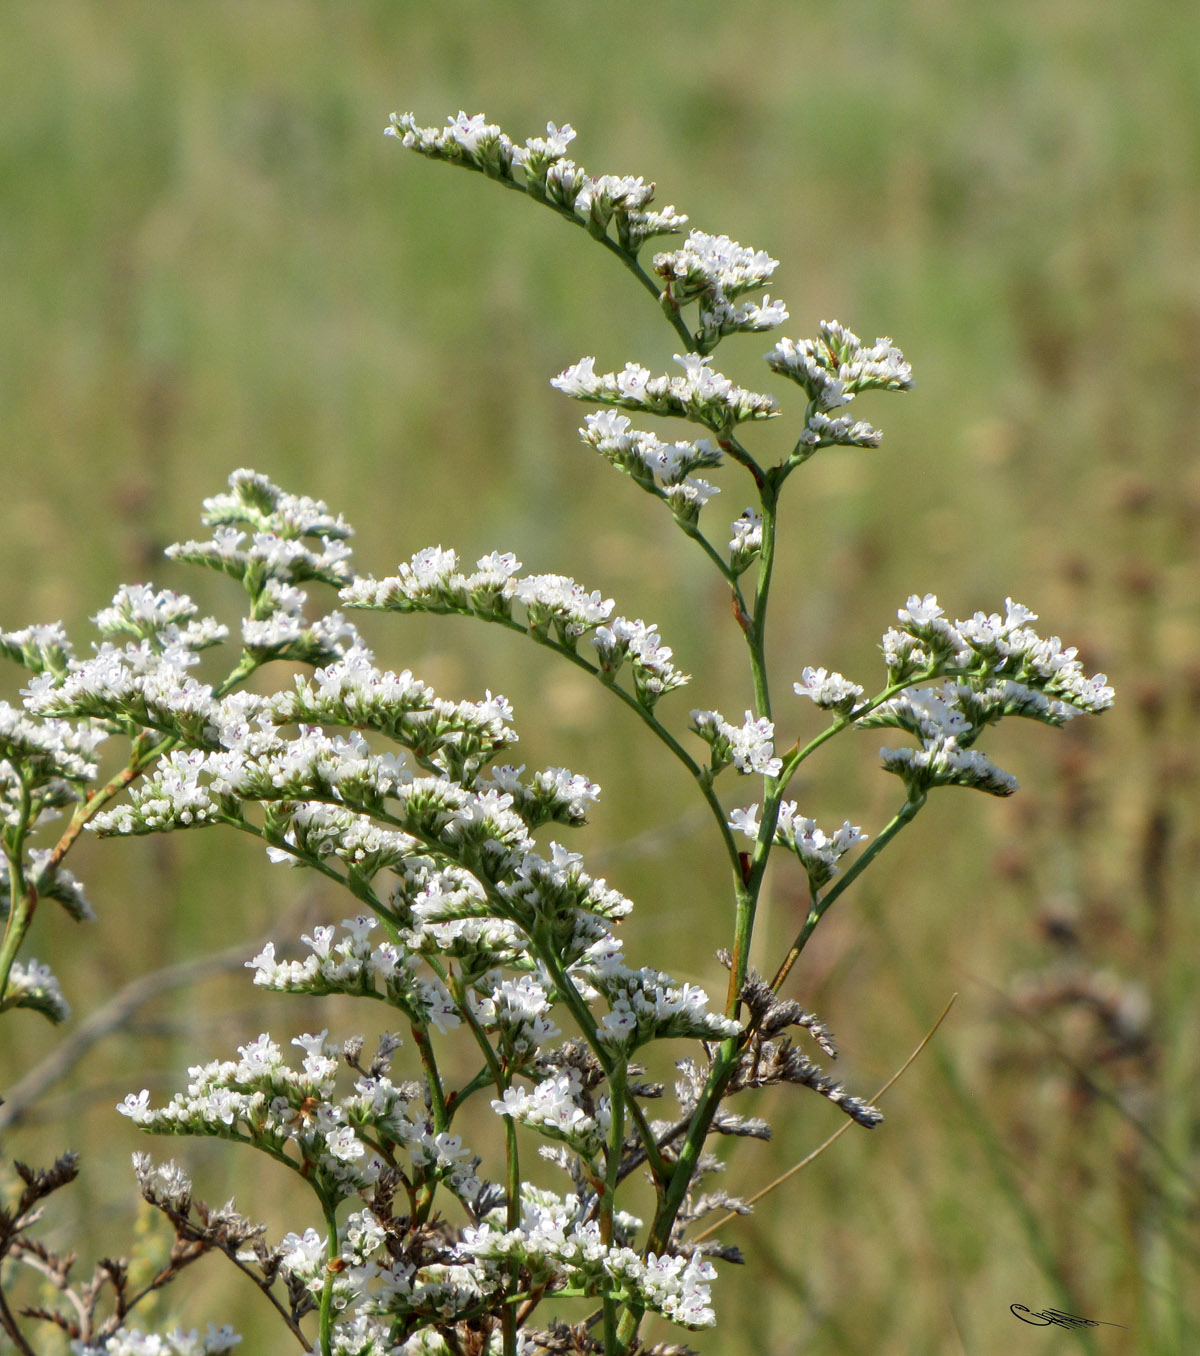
(210, 258)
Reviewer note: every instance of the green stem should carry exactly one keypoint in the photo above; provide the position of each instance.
(331, 1254)
(508, 1313)
(618, 1089)
(618, 1095)
(544, 949)
(692, 530)
(502, 1081)
(748, 881)
(613, 246)
(630, 700)
(437, 1097)
(793, 760)
(23, 893)
(905, 815)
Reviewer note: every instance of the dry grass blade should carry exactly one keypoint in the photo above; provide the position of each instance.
(820, 1149)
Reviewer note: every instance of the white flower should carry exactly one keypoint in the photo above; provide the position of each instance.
(830, 691)
(745, 821)
(749, 747)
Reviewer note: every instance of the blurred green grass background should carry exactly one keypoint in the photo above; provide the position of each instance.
(210, 258)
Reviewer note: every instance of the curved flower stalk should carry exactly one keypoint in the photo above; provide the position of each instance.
(468, 919)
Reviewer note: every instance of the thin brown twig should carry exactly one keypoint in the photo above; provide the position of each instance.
(820, 1149)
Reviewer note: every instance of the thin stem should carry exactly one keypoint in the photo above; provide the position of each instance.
(331, 1269)
(748, 882)
(905, 815)
(508, 1315)
(797, 756)
(692, 530)
(756, 636)
(9, 1323)
(618, 1087)
(23, 893)
(631, 701)
(437, 1098)
(837, 1134)
(729, 443)
(546, 953)
(726, 1060)
(618, 1095)
(630, 261)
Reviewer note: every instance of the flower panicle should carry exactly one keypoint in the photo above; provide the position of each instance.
(596, 202)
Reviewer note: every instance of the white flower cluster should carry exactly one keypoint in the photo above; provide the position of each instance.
(256, 503)
(192, 788)
(946, 722)
(830, 691)
(284, 558)
(371, 1290)
(143, 682)
(996, 667)
(701, 395)
(836, 365)
(516, 1011)
(750, 747)
(553, 1108)
(44, 766)
(559, 892)
(353, 965)
(456, 738)
(52, 881)
(715, 270)
(555, 794)
(706, 264)
(432, 582)
(140, 611)
(820, 853)
(554, 600)
(822, 431)
(746, 541)
(50, 754)
(261, 1100)
(34, 985)
(661, 468)
(38, 648)
(262, 533)
(286, 633)
(555, 1243)
(645, 1004)
(177, 1342)
(639, 643)
(944, 762)
(549, 176)
(832, 369)
(993, 647)
(315, 832)
(332, 797)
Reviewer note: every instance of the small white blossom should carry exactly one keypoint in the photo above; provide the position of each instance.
(749, 747)
(177, 1342)
(34, 985)
(700, 394)
(830, 691)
